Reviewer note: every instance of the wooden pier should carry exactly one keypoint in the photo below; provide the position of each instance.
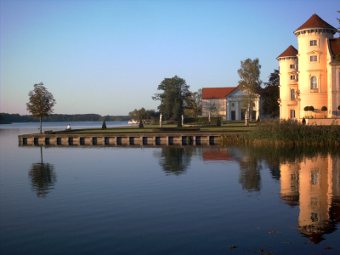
(123, 139)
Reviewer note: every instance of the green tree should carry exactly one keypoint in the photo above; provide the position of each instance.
(41, 102)
(138, 114)
(270, 95)
(250, 82)
(173, 98)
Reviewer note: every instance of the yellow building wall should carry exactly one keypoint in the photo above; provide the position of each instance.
(287, 103)
(309, 97)
(333, 81)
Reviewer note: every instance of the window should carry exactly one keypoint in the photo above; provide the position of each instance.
(293, 77)
(313, 83)
(313, 58)
(292, 94)
(292, 114)
(292, 66)
(312, 43)
(314, 217)
(314, 176)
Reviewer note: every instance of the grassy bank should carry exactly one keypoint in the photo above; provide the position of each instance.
(267, 133)
(229, 127)
(290, 133)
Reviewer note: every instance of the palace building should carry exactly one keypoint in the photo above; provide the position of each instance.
(310, 75)
(230, 103)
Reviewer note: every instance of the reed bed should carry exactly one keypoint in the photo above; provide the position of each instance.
(291, 133)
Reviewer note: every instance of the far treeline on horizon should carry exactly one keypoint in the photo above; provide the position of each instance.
(6, 118)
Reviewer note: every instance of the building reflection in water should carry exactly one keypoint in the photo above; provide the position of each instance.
(42, 176)
(311, 182)
(314, 184)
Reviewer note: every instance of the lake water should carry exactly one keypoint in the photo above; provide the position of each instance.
(165, 200)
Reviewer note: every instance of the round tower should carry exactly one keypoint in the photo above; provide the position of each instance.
(289, 104)
(313, 38)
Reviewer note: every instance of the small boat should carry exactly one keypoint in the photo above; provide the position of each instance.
(133, 122)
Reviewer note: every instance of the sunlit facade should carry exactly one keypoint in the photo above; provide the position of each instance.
(310, 75)
(230, 103)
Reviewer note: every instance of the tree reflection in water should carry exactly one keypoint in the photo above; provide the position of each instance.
(175, 160)
(250, 177)
(42, 176)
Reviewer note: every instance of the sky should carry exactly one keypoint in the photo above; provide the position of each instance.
(108, 57)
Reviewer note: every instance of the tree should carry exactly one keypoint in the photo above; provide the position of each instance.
(41, 102)
(249, 82)
(194, 104)
(173, 98)
(270, 95)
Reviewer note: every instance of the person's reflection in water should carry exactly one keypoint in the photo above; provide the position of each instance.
(42, 176)
(175, 160)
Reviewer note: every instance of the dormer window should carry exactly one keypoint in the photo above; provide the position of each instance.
(313, 43)
(313, 58)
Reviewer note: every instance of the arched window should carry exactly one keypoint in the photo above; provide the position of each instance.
(313, 83)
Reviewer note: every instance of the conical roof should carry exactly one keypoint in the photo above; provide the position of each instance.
(289, 52)
(315, 22)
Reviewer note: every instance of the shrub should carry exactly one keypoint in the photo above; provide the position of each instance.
(104, 125)
(219, 121)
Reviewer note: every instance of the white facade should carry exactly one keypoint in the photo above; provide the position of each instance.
(237, 104)
(231, 105)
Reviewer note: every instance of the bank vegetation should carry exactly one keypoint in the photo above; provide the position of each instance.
(291, 134)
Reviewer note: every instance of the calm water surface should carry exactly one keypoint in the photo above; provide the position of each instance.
(165, 200)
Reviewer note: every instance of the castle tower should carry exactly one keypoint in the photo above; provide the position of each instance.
(289, 104)
(313, 39)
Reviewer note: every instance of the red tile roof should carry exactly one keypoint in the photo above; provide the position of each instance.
(216, 93)
(315, 22)
(289, 52)
(335, 47)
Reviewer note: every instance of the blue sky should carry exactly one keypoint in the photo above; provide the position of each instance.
(108, 57)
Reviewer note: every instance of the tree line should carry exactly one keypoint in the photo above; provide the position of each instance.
(6, 118)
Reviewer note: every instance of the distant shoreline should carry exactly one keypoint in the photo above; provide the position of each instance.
(7, 118)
